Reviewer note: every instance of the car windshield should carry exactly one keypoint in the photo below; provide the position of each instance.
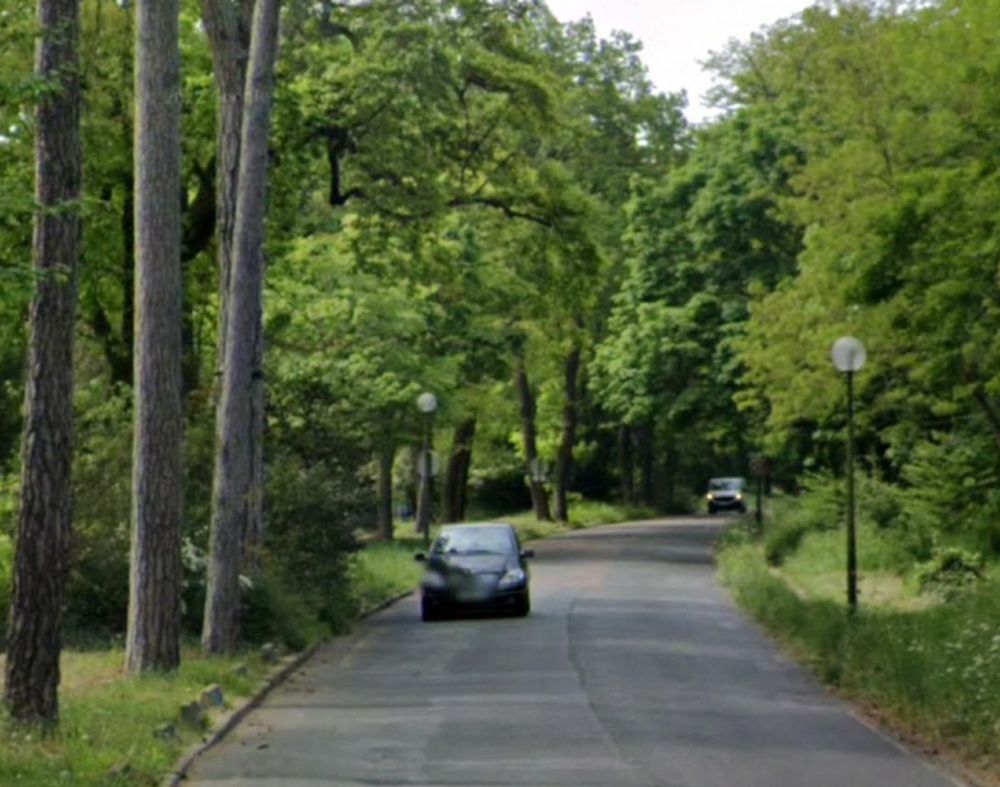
(725, 484)
(475, 540)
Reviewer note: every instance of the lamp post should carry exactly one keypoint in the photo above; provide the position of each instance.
(761, 468)
(849, 356)
(426, 404)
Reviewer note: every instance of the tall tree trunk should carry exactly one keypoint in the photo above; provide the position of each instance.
(227, 25)
(456, 480)
(153, 639)
(234, 490)
(626, 464)
(539, 500)
(413, 487)
(34, 637)
(253, 528)
(386, 456)
(644, 447)
(671, 471)
(121, 364)
(564, 461)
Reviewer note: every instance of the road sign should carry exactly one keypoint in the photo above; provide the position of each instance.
(435, 464)
(760, 465)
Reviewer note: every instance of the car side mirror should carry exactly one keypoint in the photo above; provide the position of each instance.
(527, 553)
(420, 557)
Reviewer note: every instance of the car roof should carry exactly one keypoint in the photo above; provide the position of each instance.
(477, 526)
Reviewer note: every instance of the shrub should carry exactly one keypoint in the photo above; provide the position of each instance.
(950, 571)
(97, 592)
(274, 612)
(952, 493)
(818, 507)
(312, 511)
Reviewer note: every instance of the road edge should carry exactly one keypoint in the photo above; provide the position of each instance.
(230, 721)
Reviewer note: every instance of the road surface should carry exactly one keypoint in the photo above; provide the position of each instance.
(633, 669)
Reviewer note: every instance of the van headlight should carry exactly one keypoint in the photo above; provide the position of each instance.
(513, 578)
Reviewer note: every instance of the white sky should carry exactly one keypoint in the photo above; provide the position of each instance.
(676, 34)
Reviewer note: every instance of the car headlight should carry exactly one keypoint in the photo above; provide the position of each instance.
(432, 579)
(512, 578)
(710, 496)
(739, 495)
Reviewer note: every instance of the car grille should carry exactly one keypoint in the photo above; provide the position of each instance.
(473, 587)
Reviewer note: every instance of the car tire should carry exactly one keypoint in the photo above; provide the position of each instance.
(711, 510)
(523, 606)
(429, 611)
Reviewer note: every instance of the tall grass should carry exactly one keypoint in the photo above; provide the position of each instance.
(383, 570)
(106, 730)
(933, 670)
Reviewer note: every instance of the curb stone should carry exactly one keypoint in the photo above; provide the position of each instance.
(229, 722)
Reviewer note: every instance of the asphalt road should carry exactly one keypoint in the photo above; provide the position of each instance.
(633, 669)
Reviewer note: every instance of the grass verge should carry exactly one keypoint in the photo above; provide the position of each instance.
(929, 672)
(583, 514)
(106, 734)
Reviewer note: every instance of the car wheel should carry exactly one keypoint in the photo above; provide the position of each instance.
(523, 606)
(711, 510)
(429, 611)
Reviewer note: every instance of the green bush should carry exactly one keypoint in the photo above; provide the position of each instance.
(97, 593)
(950, 571)
(274, 612)
(951, 495)
(312, 510)
(818, 507)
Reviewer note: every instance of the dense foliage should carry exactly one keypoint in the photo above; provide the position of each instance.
(466, 188)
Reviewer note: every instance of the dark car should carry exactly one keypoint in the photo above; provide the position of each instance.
(727, 494)
(475, 567)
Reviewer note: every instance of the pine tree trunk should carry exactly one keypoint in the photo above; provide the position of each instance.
(386, 456)
(626, 465)
(539, 500)
(235, 492)
(644, 444)
(253, 529)
(671, 471)
(457, 477)
(153, 639)
(34, 637)
(413, 487)
(564, 461)
(227, 25)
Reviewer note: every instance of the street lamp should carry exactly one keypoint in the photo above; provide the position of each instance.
(849, 356)
(426, 404)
